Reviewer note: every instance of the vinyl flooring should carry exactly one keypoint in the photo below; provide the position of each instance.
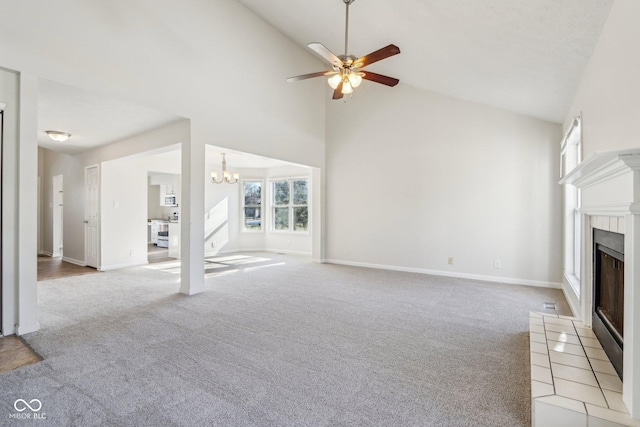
(15, 353)
(55, 268)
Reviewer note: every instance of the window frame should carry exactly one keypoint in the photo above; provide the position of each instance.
(570, 157)
(243, 225)
(290, 206)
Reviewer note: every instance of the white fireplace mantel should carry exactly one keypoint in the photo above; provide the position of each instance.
(610, 191)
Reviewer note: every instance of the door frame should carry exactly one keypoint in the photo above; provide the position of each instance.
(2, 107)
(98, 215)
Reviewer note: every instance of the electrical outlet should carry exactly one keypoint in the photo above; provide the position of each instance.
(497, 264)
(213, 244)
(450, 260)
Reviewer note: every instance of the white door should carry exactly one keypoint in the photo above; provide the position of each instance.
(91, 235)
(57, 216)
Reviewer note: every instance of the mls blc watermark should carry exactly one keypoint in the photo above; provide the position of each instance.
(28, 410)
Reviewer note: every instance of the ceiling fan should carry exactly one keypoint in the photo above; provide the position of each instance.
(346, 73)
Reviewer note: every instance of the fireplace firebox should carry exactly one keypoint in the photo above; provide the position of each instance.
(608, 293)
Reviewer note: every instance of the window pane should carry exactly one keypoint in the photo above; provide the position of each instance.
(281, 192)
(300, 191)
(301, 219)
(252, 193)
(253, 218)
(281, 218)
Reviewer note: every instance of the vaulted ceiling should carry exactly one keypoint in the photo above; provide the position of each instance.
(526, 56)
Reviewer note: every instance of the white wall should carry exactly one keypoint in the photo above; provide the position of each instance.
(610, 88)
(414, 177)
(123, 214)
(9, 82)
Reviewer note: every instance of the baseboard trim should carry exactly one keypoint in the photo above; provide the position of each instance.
(81, 263)
(45, 253)
(495, 279)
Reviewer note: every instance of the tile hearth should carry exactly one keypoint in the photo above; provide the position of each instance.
(573, 383)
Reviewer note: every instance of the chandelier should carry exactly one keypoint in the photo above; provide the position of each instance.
(227, 177)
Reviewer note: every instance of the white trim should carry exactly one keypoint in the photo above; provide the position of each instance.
(570, 295)
(45, 253)
(603, 166)
(496, 279)
(81, 263)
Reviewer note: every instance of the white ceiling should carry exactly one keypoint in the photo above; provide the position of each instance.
(525, 56)
(91, 119)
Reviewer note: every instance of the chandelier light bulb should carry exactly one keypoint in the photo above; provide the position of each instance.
(346, 87)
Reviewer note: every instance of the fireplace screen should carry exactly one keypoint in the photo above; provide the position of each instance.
(610, 298)
(608, 294)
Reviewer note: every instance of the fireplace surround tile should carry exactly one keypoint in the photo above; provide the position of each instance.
(603, 366)
(614, 399)
(558, 321)
(590, 342)
(563, 347)
(569, 359)
(535, 337)
(540, 360)
(570, 330)
(571, 373)
(561, 337)
(596, 353)
(609, 382)
(573, 389)
(539, 347)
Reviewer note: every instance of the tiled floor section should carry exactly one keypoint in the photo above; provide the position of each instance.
(573, 383)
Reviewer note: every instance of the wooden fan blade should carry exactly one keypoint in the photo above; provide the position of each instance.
(379, 78)
(329, 56)
(378, 55)
(337, 94)
(311, 75)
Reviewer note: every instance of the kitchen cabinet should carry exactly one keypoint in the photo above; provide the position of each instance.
(167, 195)
(174, 240)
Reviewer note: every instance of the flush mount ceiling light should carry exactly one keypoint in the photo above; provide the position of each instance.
(346, 73)
(57, 136)
(227, 177)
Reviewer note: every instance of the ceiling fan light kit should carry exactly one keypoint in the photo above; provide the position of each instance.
(346, 73)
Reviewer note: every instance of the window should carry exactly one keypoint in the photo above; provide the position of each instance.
(571, 156)
(290, 200)
(252, 205)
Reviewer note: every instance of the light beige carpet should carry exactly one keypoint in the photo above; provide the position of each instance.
(277, 340)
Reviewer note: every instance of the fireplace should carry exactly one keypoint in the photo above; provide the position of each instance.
(608, 293)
